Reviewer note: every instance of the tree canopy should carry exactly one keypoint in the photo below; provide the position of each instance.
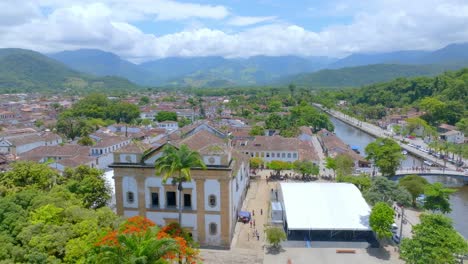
(162, 116)
(278, 166)
(80, 119)
(385, 190)
(414, 184)
(305, 168)
(275, 235)
(386, 155)
(434, 240)
(381, 220)
(437, 197)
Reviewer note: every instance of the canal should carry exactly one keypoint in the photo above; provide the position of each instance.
(458, 201)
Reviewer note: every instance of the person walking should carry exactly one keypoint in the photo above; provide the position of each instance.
(261, 211)
(250, 223)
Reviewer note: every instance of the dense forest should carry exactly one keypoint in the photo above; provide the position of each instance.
(362, 75)
(443, 98)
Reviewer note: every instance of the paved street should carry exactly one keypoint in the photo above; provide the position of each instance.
(323, 170)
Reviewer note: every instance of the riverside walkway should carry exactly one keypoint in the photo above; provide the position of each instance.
(376, 131)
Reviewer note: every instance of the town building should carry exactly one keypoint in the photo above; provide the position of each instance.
(168, 125)
(18, 144)
(270, 148)
(450, 134)
(211, 200)
(333, 146)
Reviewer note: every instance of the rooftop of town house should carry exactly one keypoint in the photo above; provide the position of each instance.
(447, 127)
(199, 140)
(64, 151)
(269, 143)
(135, 147)
(31, 138)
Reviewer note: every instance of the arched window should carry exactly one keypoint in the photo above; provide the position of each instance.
(130, 197)
(213, 229)
(212, 200)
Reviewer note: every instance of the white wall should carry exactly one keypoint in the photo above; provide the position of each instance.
(214, 240)
(188, 220)
(212, 187)
(129, 184)
(127, 158)
(105, 160)
(268, 159)
(157, 182)
(129, 213)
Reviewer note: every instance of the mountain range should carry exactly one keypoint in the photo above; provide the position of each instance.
(88, 69)
(219, 71)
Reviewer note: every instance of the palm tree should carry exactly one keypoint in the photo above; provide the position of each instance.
(176, 164)
(138, 248)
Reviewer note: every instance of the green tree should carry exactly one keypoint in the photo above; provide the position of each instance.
(144, 100)
(255, 163)
(26, 174)
(363, 182)
(386, 155)
(330, 163)
(166, 116)
(414, 184)
(305, 168)
(278, 166)
(414, 123)
(183, 122)
(344, 164)
(176, 164)
(463, 125)
(381, 220)
(89, 185)
(275, 235)
(434, 241)
(257, 131)
(385, 190)
(86, 141)
(274, 106)
(274, 121)
(437, 198)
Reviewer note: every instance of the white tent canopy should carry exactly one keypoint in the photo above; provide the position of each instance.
(325, 206)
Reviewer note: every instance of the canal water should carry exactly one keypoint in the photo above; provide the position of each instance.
(458, 201)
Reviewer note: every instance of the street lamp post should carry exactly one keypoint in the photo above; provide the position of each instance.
(401, 222)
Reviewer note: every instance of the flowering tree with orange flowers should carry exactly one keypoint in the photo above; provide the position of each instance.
(139, 240)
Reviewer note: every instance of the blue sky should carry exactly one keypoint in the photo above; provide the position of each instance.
(142, 30)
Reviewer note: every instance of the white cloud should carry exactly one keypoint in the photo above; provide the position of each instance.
(134, 10)
(249, 20)
(379, 26)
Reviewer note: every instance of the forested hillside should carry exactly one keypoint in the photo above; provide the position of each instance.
(29, 71)
(362, 75)
(443, 98)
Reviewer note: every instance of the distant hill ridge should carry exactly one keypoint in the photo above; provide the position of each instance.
(28, 71)
(219, 71)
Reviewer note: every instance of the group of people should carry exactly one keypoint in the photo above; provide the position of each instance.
(421, 169)
(255, 233)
